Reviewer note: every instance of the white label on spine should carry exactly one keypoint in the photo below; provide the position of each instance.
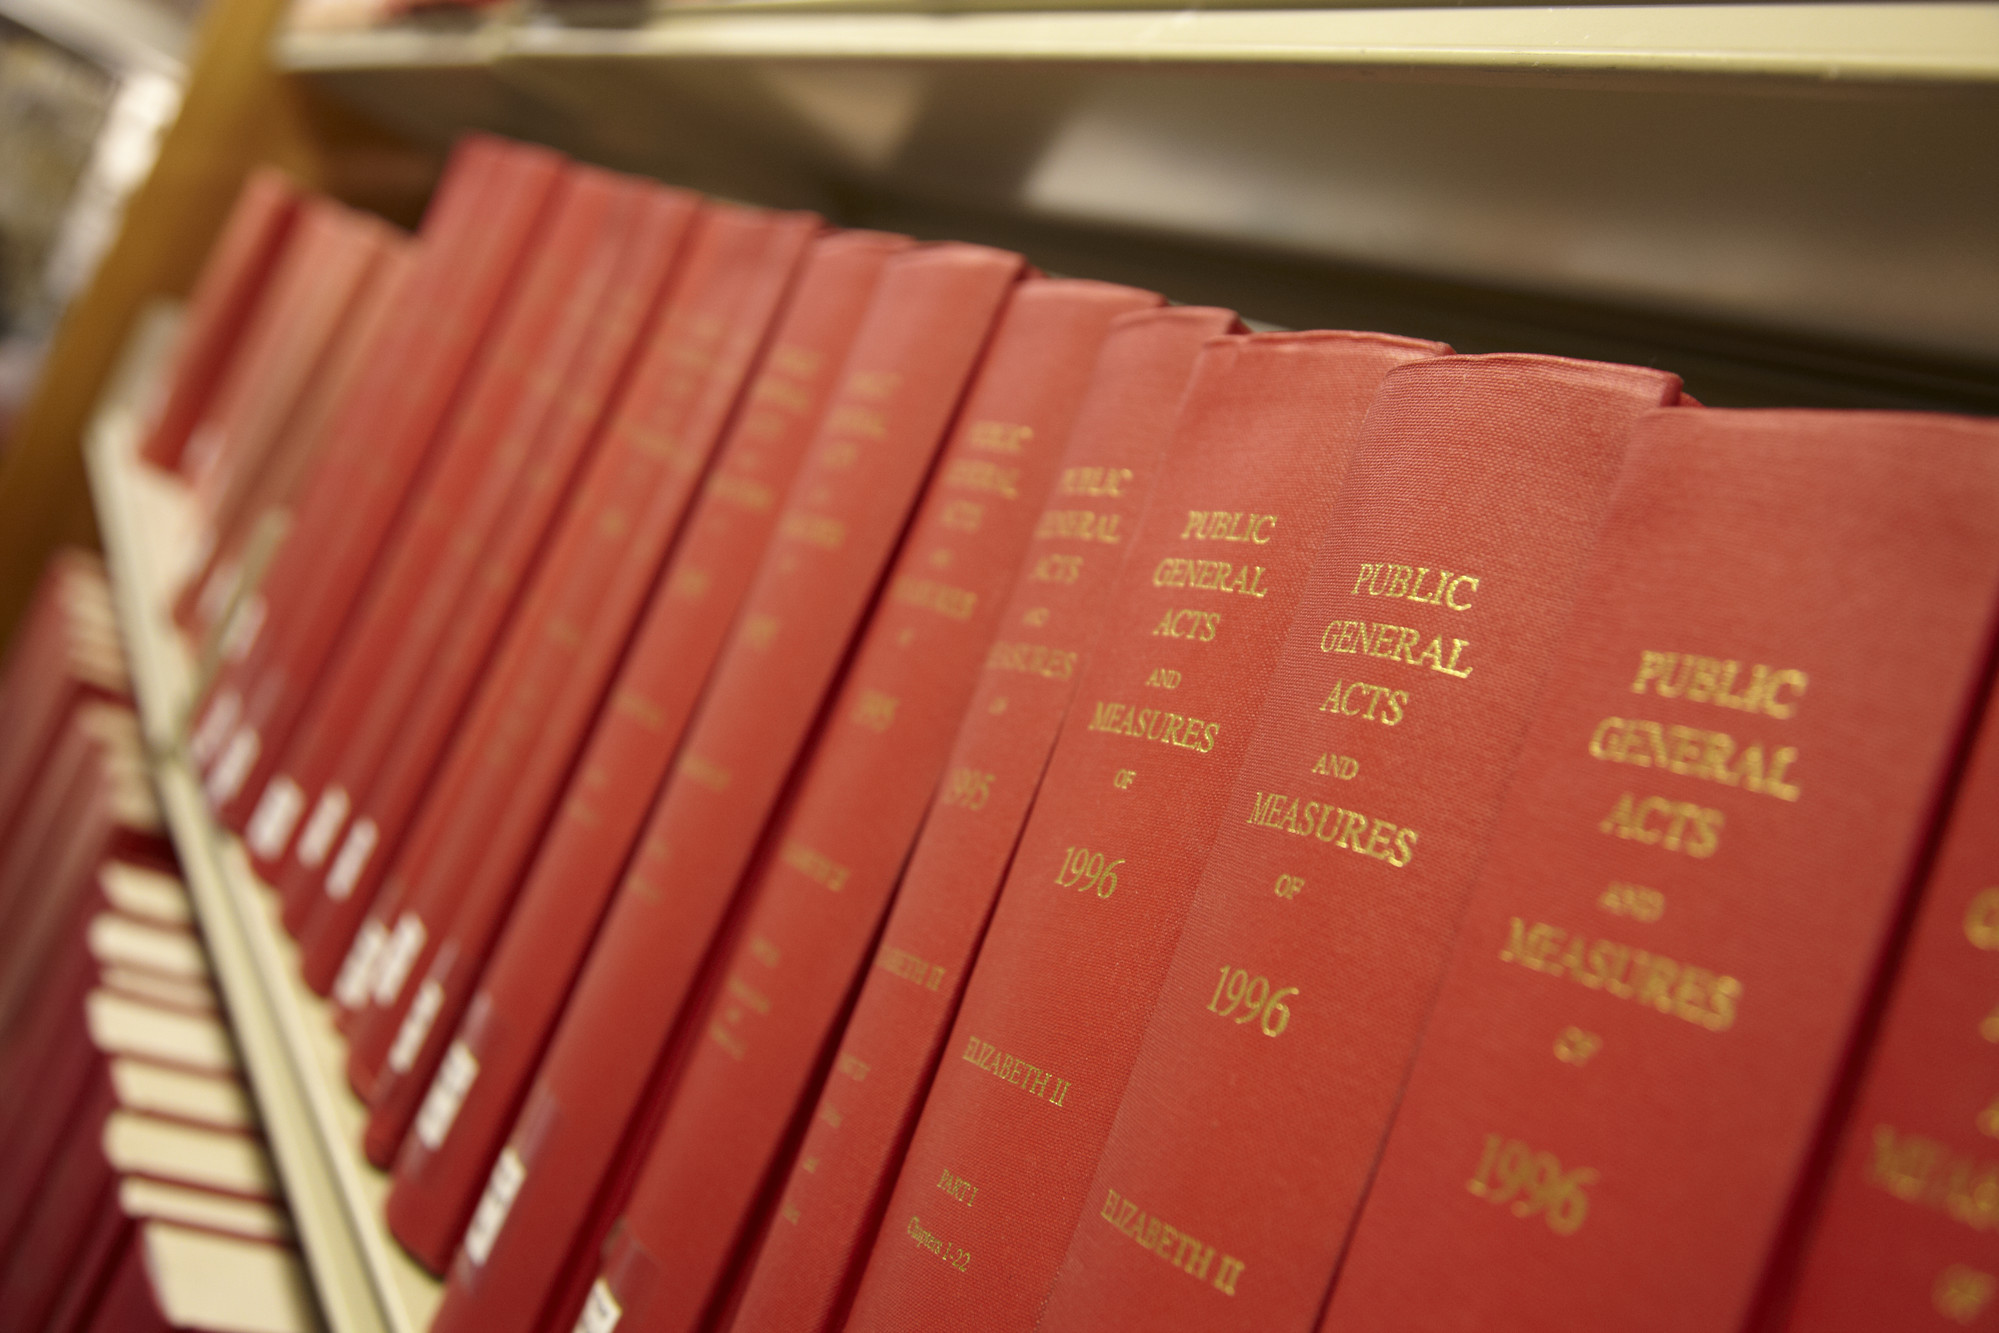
(277, 815)
(226, 778)
(398, 958)
(347, 866)
(509, 1174)
(244, 627)
(329, 816)
(351, 990)
(447, 1093)
(416, 1025)
(601, 1312)
(216, 724)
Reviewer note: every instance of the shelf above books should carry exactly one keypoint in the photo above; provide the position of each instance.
(284, 1034)
(1921, 42)
(1797, 174)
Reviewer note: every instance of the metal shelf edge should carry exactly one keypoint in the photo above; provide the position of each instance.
(364, 1283)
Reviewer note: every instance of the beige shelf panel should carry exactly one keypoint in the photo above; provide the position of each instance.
(1950, 42)
(1821, 171)
(293, 1055)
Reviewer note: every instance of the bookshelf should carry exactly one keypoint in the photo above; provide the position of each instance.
(284, 1034)
(1789, 195)
(1786, 203)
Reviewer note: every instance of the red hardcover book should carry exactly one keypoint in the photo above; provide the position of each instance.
(93, 801)
(1131, 801)
(812, 910)
(487, 507)
(477, 1090)
(810, 1255)
(910, 360)
(385, 400)
(1904, 1236)
(1342, 871)
(242, 548)
(223, 296)
(1719, 805)
(498, 820)
(292, 846)
(63, 656)
(463, 503)
(332, 251)
(657, 443)
(277, 645)
(457, 880)
(79, 1181)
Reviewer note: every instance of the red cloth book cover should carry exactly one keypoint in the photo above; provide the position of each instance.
(524, 733)
(1134, 793)
(332, 252)
(582, 305)
(1326, 910)
(837, 1183)
(463, 502)
(224, 295)
(477, 1089)
(277, 645)
(1719, 806)
(1904, 1237)
(242, 546)
(655, 445)
(901, 382)
(811, 911)
(380, 401)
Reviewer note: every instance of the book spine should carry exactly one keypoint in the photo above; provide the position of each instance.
(75, 1189)
(1355, 826)
(242, 257)
(484, 502)
(379, 406)
(1696, 868)
(653, 445)
(810, 911)
(429, 559)
(252, 526)
(472, 1099)
(1904, 1235)
(832, 1197)
(911, 358)
(328, 260)
(461, 889)
(1134, 793)
(274, 650)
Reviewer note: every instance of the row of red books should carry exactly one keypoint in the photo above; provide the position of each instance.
(842, 782)
(135, 1192)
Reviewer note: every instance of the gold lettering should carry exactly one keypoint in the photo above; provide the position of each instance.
(815, 865)
(1032, 659)
(997, 437)
(1199, 626)
(1171, 1243)
(1682, 826)
(1219, 525)
(1031, 1079)
(1155, 724)
(1078, 525)
(982, 475)
(702, 772)
(1694, 994)
(1981, 920)
(930, 595)
(1698, 679)
(906, 965)
(1209, 576)
(814, 530)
